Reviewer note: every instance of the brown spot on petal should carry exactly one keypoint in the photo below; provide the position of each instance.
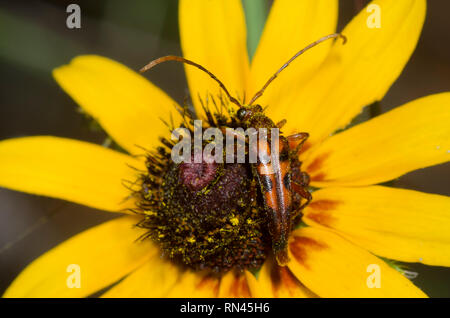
(283, 278)
(323, 218)
(316, 164)
(239, 287)
(318, 177)
(320, 212)
(245, 289)
(323, 205)
(209, 282)
(301, 247)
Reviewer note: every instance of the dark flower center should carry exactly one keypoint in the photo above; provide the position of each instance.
(208, 215)
(196, 176)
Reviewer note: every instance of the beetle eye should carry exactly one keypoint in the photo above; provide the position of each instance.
(241, 113)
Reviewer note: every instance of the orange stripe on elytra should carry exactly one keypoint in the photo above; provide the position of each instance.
(271, 196)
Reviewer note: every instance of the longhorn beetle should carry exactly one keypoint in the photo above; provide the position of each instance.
(279, 177)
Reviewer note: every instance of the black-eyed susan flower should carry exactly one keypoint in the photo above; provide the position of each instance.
(350, 221)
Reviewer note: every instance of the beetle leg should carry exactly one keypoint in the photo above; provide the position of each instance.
(299, 176)
(296, 141)
(281, 123)
(298, 136)
(300, 189)
(302, 178)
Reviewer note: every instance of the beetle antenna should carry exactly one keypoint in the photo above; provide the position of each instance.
(330, 36)
(183, 60)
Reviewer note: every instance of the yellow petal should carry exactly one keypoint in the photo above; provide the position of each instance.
(213, 34)
(358, 73)
(274, 281)
(68, 169)
(194, 284)
(101, 256)
(162, 278)
(331, 266)
(410, 137)
(291, 26)
(126, 105)
(405, 225)
(234, 285)
(154, 279)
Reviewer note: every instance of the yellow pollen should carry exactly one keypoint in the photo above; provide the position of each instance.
(234, 221)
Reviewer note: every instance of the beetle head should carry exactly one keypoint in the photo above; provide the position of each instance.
(246, 112)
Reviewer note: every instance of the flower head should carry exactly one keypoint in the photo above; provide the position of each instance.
(350, 219)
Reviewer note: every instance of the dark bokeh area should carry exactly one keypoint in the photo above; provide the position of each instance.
(34, 40)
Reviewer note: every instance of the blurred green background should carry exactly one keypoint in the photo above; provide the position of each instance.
(35, 39)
